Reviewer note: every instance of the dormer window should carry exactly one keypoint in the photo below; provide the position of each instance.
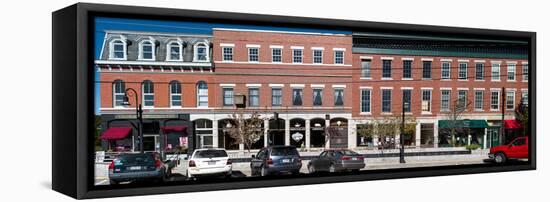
(146, 50)
(117, 50)
(201, 52)
(174, 51)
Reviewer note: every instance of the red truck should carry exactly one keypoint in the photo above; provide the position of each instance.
(516, 149)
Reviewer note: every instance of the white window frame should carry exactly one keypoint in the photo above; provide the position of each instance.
(196, 52)
(382, 89)
(476, 106)
(141, 53)
(169, 48)
(465, 98)
(198, 95)
(121, 93)
(112, 49)
(461, 70)
(362, 110)
(482, 71)
(257, 54)
(232, 102)
(369, 69)
(335, 58)
(318, 57)
(143, 94)
(491, 100)
(232, 53)
(280, 56)
(495, 66)
(422, 100)
(257, 88)
(442, 70)
(448, 108)
(525, 72)
(511, 68)
(513, 100)
(175, 94)
(294, 49)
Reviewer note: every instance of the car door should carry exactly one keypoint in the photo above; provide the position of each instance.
(521, 148)
(325, 161)
(315, 162)
(514, 148)
(256, 162)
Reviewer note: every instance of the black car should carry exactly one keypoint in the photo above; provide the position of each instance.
(276, 160)
(138, 167)
(336, 160)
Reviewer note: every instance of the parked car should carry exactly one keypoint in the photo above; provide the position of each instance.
(335, 160)
(516, 149)
(138, 167)
(209, 162)
(276, 160)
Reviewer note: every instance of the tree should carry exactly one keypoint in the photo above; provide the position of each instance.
(245, 131)
(522, 115)
(453, 116)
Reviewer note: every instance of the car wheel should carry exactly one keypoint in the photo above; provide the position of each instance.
(355, 171)
(295, 172)
(332, 168)
(311, 169)
(500, 158)
(263, 172)
(112, 182)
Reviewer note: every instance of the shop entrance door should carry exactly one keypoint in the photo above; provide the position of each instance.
(493, 136)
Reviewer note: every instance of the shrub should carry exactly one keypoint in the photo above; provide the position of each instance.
(473, 146)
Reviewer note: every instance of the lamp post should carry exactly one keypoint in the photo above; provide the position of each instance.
(401, 136)
(139, 114)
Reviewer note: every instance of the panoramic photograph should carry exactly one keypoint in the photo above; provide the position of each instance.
(199, 102)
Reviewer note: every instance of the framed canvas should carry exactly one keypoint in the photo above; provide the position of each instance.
(158, 100)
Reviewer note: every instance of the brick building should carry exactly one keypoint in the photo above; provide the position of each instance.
(187, 84)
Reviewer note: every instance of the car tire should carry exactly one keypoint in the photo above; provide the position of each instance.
(311, 169)
(295, 172)
(113, 182)
(332, 168)
(355, 171)
(263, 172)
(500, 158)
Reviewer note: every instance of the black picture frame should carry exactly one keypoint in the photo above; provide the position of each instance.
(73, 92)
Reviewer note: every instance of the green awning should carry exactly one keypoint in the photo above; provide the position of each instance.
(463, 124)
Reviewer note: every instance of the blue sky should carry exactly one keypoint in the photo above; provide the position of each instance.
(103, 23)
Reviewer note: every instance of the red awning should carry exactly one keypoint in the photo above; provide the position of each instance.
(512, 124)
(116, 133)
(174, 129)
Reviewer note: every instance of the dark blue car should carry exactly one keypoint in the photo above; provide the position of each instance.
(276, 160)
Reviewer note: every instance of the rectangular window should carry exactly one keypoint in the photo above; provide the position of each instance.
(147, 51)
(510, 100)
(276, 55)
(227, 96)
(118, 93)
(276, 97)
(446, 70)
(525, 97)
(386, 68)
(511, 72)
(338, 57)
(202, 97)
(462, 103)
(386, 100)
(426, 100)
(495, 100)
(253, 55)
(318, 56)
(407, 99)
(445, 100)
(495, 72)
(297, 55)
(175, 52)
(175, 95)
(478, 100)
(365, 100)
(426, 69)
(227, 54)
(338, 97)
(148, 94)
(463, 71)
(480, 75)
(525, 68)
(407, 69)
(365, 68)
(253, 97)
(118, 50)
(317, 97)
(297, 95)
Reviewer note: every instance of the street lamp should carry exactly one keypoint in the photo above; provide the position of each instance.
(139, 114)
(401, 136)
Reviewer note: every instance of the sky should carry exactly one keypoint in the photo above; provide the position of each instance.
(104, 23)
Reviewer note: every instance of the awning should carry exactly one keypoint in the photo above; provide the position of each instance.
(462, 124)
(166, 129)
(116, 133)
(512, 124)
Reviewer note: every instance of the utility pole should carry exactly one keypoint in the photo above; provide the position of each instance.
(503, 106)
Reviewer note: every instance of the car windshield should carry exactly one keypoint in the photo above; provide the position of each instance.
(210, 154)
(347, 152)
(284, 151)
(137, 159)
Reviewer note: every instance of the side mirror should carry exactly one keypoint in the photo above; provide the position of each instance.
(253, 156)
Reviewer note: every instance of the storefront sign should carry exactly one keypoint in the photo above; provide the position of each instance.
(297, 136)
(147, 116)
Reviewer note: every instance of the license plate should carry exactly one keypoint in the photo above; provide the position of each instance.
(286, 160)
(354, 158)
(211, 163)
(135, 168)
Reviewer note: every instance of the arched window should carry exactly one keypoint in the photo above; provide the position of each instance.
(175, 94)
(202, 94)
(146, 50)
(148, 90)
(117, 49)
(174, 51)
(119, 89)
(201, 52)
